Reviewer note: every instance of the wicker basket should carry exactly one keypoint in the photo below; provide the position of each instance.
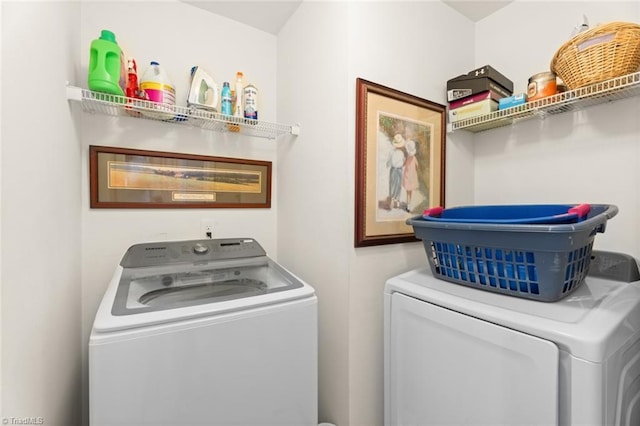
(601, 53)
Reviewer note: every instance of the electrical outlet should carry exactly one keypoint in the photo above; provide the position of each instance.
(206, 228)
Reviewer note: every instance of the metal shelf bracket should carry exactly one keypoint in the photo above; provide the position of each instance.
(611, 90)
(114, 105)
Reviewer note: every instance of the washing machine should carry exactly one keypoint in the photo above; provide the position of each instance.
(206, 332)
(457, 355)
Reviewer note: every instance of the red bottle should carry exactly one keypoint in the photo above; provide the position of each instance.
(132, 89)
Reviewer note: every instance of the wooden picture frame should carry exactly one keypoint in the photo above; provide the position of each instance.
(400, 162)
(133, 178)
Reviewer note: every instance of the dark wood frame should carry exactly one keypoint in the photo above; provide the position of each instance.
(363, 89)
(101, 195)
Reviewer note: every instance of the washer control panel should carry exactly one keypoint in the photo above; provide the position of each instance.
(166, 253)
(200, 248)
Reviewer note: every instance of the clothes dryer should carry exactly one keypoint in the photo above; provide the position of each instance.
(204, 332)
(456, 355)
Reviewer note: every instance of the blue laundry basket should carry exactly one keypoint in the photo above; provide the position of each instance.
(543, 261)
(524, 214)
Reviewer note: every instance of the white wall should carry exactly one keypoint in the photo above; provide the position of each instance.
(40, 214)
(413, 47)
(1, 382)
(58, 254)
(587, 156)
(321, 51)
(314, 183)
(178, 36)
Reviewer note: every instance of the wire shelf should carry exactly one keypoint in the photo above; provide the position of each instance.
(574, 100)
(103, 103)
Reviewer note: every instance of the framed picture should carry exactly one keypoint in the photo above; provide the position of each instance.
(400, 159)
(130, 178)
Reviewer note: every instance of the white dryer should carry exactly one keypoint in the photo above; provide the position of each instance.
(456, 355)
(207, 332)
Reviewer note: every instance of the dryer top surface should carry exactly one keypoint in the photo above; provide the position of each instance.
(591, 323)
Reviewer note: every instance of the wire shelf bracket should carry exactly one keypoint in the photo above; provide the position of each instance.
(614, 89)
(114, 105)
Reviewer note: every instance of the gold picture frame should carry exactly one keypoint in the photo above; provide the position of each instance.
(400, 162)
(132, 178)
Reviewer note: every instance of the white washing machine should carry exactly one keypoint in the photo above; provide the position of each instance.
(207, 332)
(456, 355)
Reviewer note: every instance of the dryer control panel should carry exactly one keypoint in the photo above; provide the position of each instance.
(172, 252)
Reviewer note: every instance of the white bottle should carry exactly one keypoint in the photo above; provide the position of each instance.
(158, 88)
(237, 109)
(250, 96)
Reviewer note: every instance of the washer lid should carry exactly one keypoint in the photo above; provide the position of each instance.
(591, 323)
(184, 281)
(171, 286)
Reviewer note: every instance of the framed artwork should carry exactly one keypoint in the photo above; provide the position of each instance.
(130, 178)
(400, 161)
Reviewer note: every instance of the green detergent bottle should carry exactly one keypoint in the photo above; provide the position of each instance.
(107, 71)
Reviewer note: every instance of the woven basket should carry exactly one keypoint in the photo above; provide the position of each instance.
(601, 53)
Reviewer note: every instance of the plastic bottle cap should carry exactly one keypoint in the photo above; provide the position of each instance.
(108, 35)
(239, 74)
(154, 63)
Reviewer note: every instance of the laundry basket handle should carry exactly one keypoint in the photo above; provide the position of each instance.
(433, 212)
(581, 210)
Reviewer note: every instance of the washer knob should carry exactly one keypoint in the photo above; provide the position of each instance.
(200, 248)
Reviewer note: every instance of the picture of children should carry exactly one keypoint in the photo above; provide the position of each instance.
(403, 161)
(395, 164)
(410, 171)
(400, 142)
